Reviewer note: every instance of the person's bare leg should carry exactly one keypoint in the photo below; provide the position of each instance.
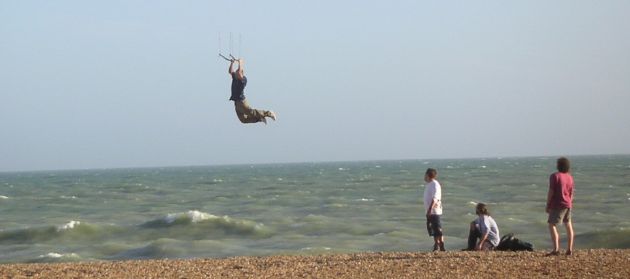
(570, 235)
(554, 238)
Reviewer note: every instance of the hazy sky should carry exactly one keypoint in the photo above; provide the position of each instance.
(99, 84)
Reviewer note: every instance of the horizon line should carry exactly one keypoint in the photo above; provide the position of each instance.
(300, 162)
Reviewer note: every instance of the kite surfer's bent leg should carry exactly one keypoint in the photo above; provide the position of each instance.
(246, 114)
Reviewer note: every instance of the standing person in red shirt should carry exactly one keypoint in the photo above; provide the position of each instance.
(559, 204)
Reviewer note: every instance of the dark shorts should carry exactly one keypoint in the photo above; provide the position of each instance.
(555, 215)
(434, 225)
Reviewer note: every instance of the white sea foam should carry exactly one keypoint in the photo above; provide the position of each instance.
(4, 197)
(53, 255)
(194, 215)
(70, 225)
(336, 205)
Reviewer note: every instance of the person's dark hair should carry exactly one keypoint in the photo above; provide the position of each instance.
(431, 173)
(563, 165)
(482, 209)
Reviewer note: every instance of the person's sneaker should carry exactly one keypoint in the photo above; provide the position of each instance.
(569, 253)
(272, 115)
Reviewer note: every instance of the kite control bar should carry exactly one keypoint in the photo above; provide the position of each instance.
(228, 59)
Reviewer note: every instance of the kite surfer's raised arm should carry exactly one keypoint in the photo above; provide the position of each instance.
(240, 72)
(230, 70)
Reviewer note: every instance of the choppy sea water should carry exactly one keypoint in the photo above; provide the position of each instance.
(308, 208)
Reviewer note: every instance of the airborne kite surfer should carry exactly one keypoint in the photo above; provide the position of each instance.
(245, 113)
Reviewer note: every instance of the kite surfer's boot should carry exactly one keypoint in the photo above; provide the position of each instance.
(271, 115)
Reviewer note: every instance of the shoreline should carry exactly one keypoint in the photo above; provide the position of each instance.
(591, 263)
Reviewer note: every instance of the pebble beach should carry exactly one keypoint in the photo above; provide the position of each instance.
(595, 263)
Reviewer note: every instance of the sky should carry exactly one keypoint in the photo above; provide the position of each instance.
(117, 84)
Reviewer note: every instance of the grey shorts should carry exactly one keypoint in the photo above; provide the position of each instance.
(434, 225)
(555, 215)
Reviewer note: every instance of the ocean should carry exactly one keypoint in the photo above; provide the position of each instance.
(289, 209)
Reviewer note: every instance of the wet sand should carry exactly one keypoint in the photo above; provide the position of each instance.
(598, 263)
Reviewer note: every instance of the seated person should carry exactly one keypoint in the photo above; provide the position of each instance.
(484, 229)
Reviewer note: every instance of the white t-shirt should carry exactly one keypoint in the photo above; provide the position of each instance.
(433, 191)
(488, 225)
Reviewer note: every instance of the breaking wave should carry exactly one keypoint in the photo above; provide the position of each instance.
(191, 225)
(53, 257)
(195, 223)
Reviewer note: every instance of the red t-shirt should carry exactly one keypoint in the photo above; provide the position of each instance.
(561, 189)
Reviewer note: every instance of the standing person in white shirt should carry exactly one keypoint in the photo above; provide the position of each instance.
(433, 208)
